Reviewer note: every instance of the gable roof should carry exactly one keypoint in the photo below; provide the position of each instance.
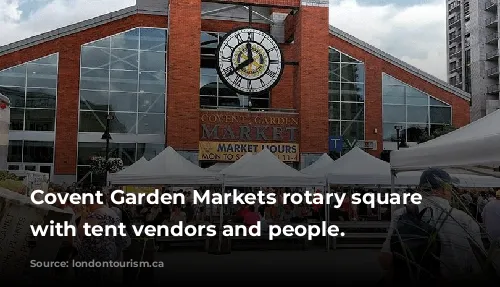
(398, 63)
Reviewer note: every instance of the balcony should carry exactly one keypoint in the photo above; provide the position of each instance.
(454, 68)
(494, 89)
(492, 55)
(490, 5)
(493, 72)
(455, 53)
(492, 39)
(455, 21)
(491, 22)
(455, 37)
(466, 44)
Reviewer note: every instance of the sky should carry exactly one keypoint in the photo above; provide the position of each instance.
(412, 30)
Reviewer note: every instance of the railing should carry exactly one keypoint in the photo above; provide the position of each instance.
(454, 52)
(255, 109)
(492, 54)
(492, 71)
(453, 21)
(455, 67)
(454, 5)
(489, 4)
(491, 37)
(491, 20)
(494, 89)
(455, 36)
(466, 45)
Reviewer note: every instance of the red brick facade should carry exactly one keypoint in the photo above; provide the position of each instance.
(303, 87)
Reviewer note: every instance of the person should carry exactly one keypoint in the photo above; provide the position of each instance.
(98, 248)
(264, 226)
(240, 214)
(491, 217)
(251, 217)
(455, 229)
(178, 215)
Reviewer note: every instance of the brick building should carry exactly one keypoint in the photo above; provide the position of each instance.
(153, 67)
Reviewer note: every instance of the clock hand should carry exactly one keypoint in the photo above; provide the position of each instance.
(249, 50)
(240, 66)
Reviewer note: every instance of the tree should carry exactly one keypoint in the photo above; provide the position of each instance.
(436, 133)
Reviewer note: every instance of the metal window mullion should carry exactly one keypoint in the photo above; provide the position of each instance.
(138, 84)
(25, 97)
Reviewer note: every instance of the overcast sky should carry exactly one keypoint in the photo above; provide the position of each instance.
(412, 30)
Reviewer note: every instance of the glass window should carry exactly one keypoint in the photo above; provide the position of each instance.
(334, 128)
(152, 103)
(334, 72)
(416, 114)
(124, 60)
(394, 113)
(333, 55)
(151, 124)
(13, 77)
(348, 59)
(94, 79)
(17, 95)
(353, 73)
(43, 76)
(40, 120)
(422, 110)
(48, 60)
(123, 102)
(353, 130)
(133, 82)
(390, 133)
(38, 152)
(41, 98)
(353, 92)
(416, 98)
(149, 151)
(333, 91)
(124, 123)
(352, 111)
(125, 151)
(94, 100)
(153, 39)
(440, 115)
(334, 111)
(16, 119)
(88, 150)
(394, 94)
(92, 57)
(15, 151)
(93, 121)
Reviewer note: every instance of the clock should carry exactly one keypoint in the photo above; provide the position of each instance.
(249, 61)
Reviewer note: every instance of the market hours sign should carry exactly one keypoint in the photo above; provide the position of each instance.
(232, 151)
(249, 61)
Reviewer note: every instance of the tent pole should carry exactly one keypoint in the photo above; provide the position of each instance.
(379, 212)
(221, 214)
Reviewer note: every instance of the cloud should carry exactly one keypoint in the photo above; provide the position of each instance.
(415, 34)
(53, 14)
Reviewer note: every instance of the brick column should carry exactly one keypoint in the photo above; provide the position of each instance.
(66, 144)
(311, 38)
(183, 74)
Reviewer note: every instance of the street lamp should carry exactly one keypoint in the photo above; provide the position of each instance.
(398, 128)
(107, 136)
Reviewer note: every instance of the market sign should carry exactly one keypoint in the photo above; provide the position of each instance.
(251, 127)
(232, 151)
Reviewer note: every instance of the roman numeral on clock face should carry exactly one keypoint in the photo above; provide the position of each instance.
(274, 61)
(251, 36)
(237, 80)
(238, 37)
(227, 70)
(271, 74)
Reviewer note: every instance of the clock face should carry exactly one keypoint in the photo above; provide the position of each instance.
(249, 61)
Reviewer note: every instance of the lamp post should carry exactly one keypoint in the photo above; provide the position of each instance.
(107, 136)
(398, 128)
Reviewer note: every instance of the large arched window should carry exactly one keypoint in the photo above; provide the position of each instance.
(125, 75)
(411, 110)
(32, 90)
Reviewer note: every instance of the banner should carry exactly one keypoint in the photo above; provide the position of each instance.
(232, 151)
(139, 189)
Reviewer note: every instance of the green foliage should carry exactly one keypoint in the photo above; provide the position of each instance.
(4, 175)
(13, 185)
(424, 136)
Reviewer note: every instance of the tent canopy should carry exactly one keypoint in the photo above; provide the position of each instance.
(321, 166)
(265, 169)
(136, 167)
(169, 167)
(471, 145)
(465, 179)
(359, 167)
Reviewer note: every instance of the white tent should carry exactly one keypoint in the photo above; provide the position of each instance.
(265, 169)
(131, 170)
(169, 167)
(320, 167)
(359, 167)
(465, 180)
(217, 167)
(474, 144)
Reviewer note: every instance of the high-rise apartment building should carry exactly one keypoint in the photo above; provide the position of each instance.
(473, 51)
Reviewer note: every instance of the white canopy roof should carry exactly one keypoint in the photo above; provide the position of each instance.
(169, 167)
(359, 167)
(134, 169)
(412, 178)
(320, 167)
(265, 169)
(473, 144)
